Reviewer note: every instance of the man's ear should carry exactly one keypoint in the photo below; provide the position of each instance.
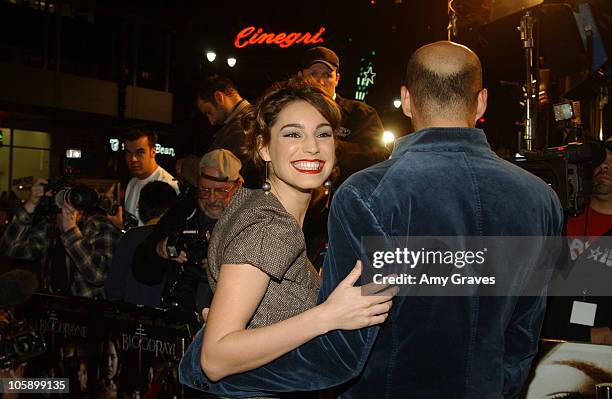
(262, 149)
(219, 97)
(482, 103)
(153, 151)
(337, 78)
(405, 97)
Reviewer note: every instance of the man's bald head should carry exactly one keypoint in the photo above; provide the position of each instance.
(444, 80)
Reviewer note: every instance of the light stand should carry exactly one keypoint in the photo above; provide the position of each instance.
(531, 83)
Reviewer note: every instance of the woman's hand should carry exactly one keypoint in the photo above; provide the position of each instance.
(347, 308)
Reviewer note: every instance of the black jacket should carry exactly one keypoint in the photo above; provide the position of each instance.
(360, 138)
(147, 267)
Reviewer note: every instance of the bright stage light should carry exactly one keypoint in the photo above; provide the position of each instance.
(388, 137)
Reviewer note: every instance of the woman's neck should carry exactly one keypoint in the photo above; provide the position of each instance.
(293, 200)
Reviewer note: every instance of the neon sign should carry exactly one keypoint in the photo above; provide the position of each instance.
(159, 149)
(251, 35)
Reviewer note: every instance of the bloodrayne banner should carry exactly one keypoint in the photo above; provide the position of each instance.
(108, 350)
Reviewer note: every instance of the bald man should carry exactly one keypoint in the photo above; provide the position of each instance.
(442, 180)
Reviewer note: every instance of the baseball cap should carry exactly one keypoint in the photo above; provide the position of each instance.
(321, 55)
(225, 162)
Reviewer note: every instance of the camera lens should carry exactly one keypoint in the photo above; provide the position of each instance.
(61, 197)
(81, 198)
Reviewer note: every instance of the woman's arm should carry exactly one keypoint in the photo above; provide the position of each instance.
(229, 348)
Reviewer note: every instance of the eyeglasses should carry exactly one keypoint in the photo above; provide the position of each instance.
(222, 193)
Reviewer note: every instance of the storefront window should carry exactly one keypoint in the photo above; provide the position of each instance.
(24, 156)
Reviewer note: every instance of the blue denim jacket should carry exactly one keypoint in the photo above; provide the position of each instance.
(438, 182)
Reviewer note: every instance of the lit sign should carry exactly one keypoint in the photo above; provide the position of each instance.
(251, 35)
(164, 150)
(73, 153)
(114, 143)
(159, 149)
(365, 79)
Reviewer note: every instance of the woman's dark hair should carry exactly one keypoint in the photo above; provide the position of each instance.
(155, 199)
(258, 121)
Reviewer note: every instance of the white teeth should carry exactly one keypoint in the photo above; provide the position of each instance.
(304, 165)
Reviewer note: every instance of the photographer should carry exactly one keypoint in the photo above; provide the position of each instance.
(186, 285)
(590, 252)
(76, 249)
(155, 199)
(583, 232)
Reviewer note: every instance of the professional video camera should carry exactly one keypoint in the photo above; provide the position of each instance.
(568, 170)
(19, 343)
(80, 197)
(195, 245)
(65, 191)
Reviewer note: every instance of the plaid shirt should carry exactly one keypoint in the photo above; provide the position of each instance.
(88, 251)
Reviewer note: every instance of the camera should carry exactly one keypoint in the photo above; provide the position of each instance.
(79, 197)
(63, 192)
(107, 206)
(19, 343)
(568, 170)
(192, 242)
(47, 204)
(182, 293)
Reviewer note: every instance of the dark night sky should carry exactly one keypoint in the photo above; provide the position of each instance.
(354, 28)
(385, 33)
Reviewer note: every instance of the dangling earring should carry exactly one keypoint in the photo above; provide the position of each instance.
(328, 186)
(266, 187)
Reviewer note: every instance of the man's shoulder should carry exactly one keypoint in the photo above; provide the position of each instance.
(366, 181)
(137, 235)
(527, 179)
(131, 182)
(354, 106)
(165, 176)
(99, 223)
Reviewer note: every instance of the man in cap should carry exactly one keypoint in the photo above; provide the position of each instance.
(361, 131)
(218, 180)
(359, 146)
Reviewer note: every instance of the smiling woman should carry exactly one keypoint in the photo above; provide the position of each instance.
(265, 288)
